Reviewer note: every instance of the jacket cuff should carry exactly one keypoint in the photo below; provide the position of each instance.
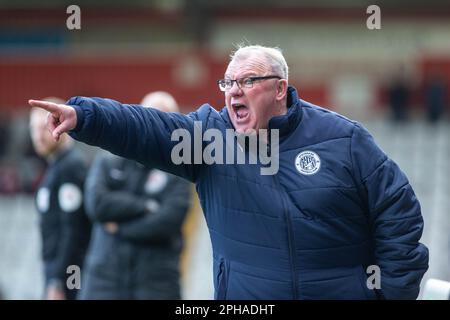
(80, 118)
(73, 102)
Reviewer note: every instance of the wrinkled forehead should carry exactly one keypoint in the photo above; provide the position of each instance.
(246, 65)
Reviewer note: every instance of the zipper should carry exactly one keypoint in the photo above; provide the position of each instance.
(289, 226)
(290, 239)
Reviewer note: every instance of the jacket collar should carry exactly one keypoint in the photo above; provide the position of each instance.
(288, 122)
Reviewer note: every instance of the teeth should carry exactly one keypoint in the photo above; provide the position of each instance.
(240, 109)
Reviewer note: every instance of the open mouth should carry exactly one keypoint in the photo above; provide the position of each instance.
(241, 111)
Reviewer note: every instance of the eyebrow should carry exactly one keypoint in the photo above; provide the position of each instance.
(246, 75)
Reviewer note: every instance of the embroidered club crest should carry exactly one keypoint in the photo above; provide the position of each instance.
(307, 162)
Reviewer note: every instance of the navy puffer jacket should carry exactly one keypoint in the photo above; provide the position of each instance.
(337, 204)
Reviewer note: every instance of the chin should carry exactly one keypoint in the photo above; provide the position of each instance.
(241, 129)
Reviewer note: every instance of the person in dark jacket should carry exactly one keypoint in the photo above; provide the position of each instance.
(138, 214)
(65, 228)
(399, 94)
(435, 97)
(334, 218)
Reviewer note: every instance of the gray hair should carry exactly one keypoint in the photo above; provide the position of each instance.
(273, 55)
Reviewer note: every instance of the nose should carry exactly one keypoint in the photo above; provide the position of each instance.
(235, 90)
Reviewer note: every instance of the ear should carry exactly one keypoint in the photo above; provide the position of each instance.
(281, 89)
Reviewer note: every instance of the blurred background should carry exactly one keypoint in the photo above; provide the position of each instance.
(395, 80)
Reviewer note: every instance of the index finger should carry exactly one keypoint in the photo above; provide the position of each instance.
(49, 106)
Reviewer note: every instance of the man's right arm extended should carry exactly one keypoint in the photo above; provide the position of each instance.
(130, 131)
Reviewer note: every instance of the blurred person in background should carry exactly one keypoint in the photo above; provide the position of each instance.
(399, 94)
(336, 205)
(4, 133)
(64, 226)
(435, 97)
(138, 213)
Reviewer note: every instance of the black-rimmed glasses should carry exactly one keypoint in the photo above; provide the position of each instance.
(247, 82)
